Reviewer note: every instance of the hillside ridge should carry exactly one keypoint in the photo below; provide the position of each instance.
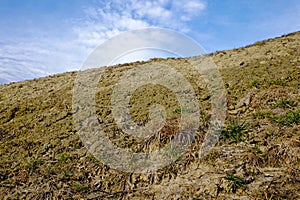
(257, 155)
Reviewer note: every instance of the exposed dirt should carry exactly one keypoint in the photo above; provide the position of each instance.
(257, 156)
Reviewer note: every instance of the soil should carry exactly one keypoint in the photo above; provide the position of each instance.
(257, 155)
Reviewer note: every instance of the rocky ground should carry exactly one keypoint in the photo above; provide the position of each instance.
(256, 157)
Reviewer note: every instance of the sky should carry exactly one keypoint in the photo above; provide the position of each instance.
(43, 37)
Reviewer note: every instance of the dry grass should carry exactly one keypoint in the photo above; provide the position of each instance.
(257, 157)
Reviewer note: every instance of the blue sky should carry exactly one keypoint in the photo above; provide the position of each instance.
(42, 37)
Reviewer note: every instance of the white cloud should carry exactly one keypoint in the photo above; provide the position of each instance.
(26, 57)
(146, 43)
(105, 20)
(193, 7)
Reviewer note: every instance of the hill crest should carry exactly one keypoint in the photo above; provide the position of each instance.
(257, 156)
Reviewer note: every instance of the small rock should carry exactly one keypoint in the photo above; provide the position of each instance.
(233, 112)
(262, 62)
(59, 185)
(231, 107)
(205, 97)
(245, 101)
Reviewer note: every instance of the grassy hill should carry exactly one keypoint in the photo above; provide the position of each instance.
(257, 156)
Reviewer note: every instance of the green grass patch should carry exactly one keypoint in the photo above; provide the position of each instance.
(262, 114)
(289, 119)
(285, 103)
(254, 83)
(235, 182)
(235, 131)
(278, 82)
(79, 187)
(63, 158)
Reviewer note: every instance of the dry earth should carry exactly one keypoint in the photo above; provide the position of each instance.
(257, 156)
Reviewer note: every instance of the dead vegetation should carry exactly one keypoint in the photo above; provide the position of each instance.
(257, 156)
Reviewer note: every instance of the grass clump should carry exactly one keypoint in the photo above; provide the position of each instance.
(63, 158)
(262, 114)
(278, 82)
(254, 83)
(285, 103)
(235, 182)
(79, 187)
(290, 119)
(235, 131)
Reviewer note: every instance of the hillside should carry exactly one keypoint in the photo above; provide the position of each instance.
(256, 157)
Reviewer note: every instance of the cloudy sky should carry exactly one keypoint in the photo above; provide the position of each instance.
(42, 37)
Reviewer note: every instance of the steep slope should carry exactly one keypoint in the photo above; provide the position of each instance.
(257, 156)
